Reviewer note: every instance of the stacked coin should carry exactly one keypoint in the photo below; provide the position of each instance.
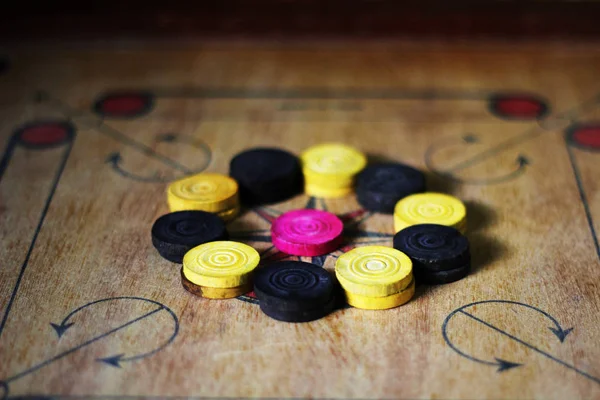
(176, 233)
(330, 169)
(294, 291)
(266, 175)
(375, 277)
(380, 186)
(430, 208)
(214, 193)
(307, 232)
(440, 254)
(219, 270)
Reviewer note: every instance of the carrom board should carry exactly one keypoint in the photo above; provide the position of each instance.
(93, 133)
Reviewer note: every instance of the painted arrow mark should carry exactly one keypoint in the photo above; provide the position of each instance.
(206, 153)
(521, 163)
(529, 134)
(585, 137)
(37, 135)
(66, 325)
(504, 365)
(115, 159)
(103, 128)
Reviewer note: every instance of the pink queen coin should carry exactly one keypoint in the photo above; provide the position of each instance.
(307, 232)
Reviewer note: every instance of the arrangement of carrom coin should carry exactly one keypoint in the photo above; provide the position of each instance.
(299, 220)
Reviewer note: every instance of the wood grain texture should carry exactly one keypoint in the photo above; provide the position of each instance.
(530, 234)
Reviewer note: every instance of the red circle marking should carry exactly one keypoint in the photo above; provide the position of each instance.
(518, 107)
(587, 136)
(45, 134)
(123, 105)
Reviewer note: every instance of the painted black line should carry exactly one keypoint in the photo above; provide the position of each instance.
(114, 160)
(86, 343)
(75, 311)
(195, 143)
(119, 136)
(456, 349)
(557, 326)
(521, 162)
(319, 94)
(8, 152)
(319, 260)
(364, 218)
(264, 213)
(53, 187)
(311, 204)
(583, 197)
(523, 137)
(445, 143)
(551, 357)
(323, 204)
(507, 144)
(265, 252)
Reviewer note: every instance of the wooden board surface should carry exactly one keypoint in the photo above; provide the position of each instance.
(89, 310)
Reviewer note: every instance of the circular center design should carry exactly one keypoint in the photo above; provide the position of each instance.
(203, 187)
(293, 280)
(330, 162)
(431, 241)
(386, 180)
(186, 228)
(375, 265)
(333, 159)
(427, 208)
(432, 210)
(307, 227)
(222, 260)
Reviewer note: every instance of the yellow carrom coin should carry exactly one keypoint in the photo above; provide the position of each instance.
(325, 192)
(374, 271)
(214, 293)
(230, 214)
(400, 224)
(430, 208)
(381, 303)
(222, 264)
(333, 159)
(209, 192)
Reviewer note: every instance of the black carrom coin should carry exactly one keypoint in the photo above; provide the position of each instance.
(380, 186)
(293, 286)
(441, 277)
(433, 247)
(266, 175)
(299, 315)
(174, 234)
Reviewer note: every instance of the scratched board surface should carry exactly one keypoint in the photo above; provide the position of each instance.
(92, 135)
